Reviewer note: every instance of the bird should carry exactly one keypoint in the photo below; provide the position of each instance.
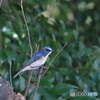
(37, 60)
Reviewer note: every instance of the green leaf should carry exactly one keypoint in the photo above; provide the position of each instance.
(3, 56)
(46, 94)
(11, 54)
(45, 83)
(96, 64)
(83, 98)
(94, 75)
(58, 76)
(20, 83)
(88, 51)
(62, 88)
(68, 58)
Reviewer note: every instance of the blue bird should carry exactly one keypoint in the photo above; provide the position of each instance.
(37, 60)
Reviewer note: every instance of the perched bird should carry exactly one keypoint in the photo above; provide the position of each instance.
(37, 60)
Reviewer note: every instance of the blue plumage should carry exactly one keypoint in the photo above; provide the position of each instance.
(37, 60)
(33, 59)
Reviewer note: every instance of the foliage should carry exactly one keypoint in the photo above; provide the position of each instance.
(52, 23)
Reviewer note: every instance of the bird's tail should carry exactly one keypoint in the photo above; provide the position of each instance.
(22, 70)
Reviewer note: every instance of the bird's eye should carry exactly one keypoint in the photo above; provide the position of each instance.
(48, 50)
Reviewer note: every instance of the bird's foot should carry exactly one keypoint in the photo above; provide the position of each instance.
(45, 67)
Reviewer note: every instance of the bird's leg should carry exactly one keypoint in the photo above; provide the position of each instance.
(45, 67)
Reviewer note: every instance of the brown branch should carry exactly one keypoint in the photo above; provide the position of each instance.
(10, 73)
(0, 2)
(41, 73)
(0, 41)
(26, 90)
(30, 44)
(30, 76)
(38, 82)
(32, 86)
(26, 27)
(54, 58)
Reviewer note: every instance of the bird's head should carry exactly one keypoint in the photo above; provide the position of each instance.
(46, 50)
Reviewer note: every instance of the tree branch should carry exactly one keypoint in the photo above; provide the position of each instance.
(0, 41)
(38, 82)
(0, 2)
(30, 44)
(41, 73)
(26, 26)
(10, 73)
(30, 76)
(54, 58)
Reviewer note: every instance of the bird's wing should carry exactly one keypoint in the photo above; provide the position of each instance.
(34, 58)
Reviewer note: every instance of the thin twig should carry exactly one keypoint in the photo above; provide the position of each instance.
(32, 86)
(26, 90)
(0, 2)
(10, 73)
(38, 82)
(0, 41)
(54, 58)
(29, 44)
(30, 76)
(40, 73)
(26, 27)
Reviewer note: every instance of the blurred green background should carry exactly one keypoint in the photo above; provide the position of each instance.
(53, 23)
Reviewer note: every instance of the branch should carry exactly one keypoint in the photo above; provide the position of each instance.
(30, 76)
(29, 44)
(0, 2)
(41, 73)
(38, 82)
(26, 26)
(26, 90)
(32, 86)
(54, 58)
(10, 73)
(0, 41)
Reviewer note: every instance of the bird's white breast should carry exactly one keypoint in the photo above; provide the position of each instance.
(39, 62)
